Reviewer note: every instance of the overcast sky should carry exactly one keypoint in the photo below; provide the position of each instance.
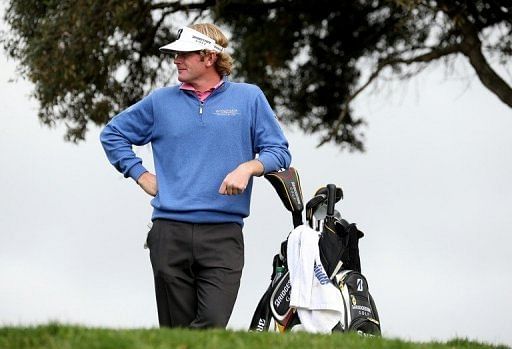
(433, 194)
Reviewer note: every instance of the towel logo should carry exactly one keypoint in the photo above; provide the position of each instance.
(227, 112)
(320, 274)
(360, 285)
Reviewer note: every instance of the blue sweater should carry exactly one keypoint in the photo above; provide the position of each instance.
(195, 145)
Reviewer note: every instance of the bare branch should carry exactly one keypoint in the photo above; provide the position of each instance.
(472, 48)
(199, 15)
(178, 6)
(433, 54)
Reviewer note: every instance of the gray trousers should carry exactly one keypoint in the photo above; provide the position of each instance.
(197, 270)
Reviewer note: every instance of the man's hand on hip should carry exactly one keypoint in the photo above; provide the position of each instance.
(236, 181)
(147, 181)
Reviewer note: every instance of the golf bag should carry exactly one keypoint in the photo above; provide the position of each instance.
(360, 311)
(339, 255)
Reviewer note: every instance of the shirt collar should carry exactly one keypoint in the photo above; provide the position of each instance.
(189, 87)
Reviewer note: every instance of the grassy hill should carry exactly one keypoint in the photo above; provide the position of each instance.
(56, 336)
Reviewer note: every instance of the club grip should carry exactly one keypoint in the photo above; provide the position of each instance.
(331, 199)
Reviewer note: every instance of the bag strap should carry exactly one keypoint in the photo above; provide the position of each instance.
(261, 319)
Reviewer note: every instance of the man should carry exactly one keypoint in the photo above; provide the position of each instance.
(205, 135)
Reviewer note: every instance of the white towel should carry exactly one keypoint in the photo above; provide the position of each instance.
(318, 302)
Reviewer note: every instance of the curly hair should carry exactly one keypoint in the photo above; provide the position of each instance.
(224, 62)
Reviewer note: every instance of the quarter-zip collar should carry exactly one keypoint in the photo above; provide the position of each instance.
(201, 95)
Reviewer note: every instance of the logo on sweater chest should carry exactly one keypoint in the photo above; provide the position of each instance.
(227, 112)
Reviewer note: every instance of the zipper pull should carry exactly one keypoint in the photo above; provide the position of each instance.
(201, 108)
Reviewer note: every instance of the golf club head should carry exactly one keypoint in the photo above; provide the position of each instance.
(316, 208)
(313, 205)
(287, 185)
(321, 212)
(324, 191)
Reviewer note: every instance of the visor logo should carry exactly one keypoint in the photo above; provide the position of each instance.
(201, 41)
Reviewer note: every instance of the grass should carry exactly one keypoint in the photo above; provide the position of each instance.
(56, 336)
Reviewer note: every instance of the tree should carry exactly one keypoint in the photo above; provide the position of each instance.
(89, 59)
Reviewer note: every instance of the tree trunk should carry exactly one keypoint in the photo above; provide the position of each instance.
(486, 74)
(471, 47)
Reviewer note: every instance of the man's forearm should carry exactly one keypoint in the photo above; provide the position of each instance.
(254, 167)
(236, 181)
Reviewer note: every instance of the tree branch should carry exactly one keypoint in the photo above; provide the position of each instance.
(178, 6)
(164, 5)
(471, 47)
(433, 54)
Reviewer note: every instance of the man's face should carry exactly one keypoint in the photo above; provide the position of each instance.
(191, 66)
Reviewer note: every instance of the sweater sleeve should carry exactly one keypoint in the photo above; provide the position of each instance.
(133, 126)
(269, 141)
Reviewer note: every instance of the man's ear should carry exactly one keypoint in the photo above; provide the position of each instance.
(211, 58)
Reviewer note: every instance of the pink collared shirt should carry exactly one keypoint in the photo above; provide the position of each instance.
(201, 95)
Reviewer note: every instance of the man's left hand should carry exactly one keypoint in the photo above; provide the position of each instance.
(236, 181)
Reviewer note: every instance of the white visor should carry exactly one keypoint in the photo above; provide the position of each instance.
(191, 40)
